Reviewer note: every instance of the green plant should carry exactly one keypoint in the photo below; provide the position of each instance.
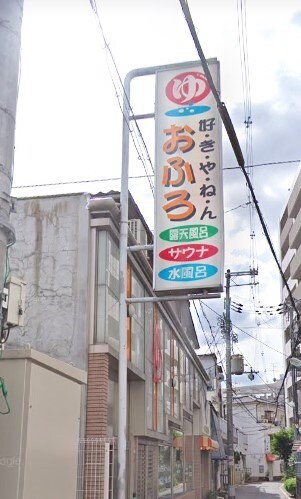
(214, 495)
(290, 486)
(290, 470)
(247, 476)
(236, 457)
(282, 443)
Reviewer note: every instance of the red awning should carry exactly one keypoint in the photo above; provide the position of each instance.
(270, 458)
(207, 443)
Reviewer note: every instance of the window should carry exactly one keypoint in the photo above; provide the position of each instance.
(197, 386)
(268, 415)
(164, 471)
(167, 367)
(261, 468)
(159, 387)
(137, 325)
(107, 313)
(192, 381)
(113, 405)
(188, 454)
(176, 380)
(188, 386)
(182, 370)
(177, 463)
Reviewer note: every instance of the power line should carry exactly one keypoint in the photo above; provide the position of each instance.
(69, 182)
(113, 179)
(270, 163)
(207, 341)
(257, 373)
(244, 205)
(234, 142)
(127, 102)
(198, 316)
(259, 341)
(246, 408)
(248, 334)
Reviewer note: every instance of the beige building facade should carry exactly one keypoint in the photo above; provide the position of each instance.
(290, 248)
(67, 252)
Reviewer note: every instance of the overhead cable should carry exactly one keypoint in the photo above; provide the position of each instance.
(113, 179)
(248, 334)
(127, 102)
(234, 142)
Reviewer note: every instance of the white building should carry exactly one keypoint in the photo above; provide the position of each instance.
(290, 246)
(254, 414)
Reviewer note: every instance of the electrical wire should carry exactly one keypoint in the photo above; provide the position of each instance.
(200, 322)
(245, 332)
(140, 151)
(207, 341)
(133, 177)
(259, 341)
(264, 382)
(234, 142)
(241, 403)
(244, 205)
(263, 164)
(109, 179)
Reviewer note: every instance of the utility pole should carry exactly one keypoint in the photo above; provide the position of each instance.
(230, 450)
(229, 393)
(293, 375)
(11, 12)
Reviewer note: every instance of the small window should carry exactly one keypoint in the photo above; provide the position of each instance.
(268, 415)
(261, 468)
(164, 471)
(178, 462)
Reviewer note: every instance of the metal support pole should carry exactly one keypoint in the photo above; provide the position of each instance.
(158, 299)
(122, 363)
(230, 450)
(10, 40)
(122, 368)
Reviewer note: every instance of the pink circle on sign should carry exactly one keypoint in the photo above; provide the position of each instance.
(187, 88)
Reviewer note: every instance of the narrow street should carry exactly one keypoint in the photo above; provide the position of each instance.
(261, 490)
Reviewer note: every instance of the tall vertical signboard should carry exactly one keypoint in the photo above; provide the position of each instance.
(188, 252)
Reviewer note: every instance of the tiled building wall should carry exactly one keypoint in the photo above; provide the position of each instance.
(96, 424)
(97, 395)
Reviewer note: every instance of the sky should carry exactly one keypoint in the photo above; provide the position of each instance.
(69, 123)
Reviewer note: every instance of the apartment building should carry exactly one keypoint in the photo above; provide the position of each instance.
(254, 414)
(290, 248)
(67, 252)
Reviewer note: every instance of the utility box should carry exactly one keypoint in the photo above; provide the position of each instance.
(237, 364)
(39, 436)
(14, 302)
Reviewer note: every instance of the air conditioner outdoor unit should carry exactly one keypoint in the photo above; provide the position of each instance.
(137, 229)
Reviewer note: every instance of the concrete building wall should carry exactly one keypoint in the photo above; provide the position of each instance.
(290, 249)
(58, 242)
(51, 255)
(254, 417)
(39, 436)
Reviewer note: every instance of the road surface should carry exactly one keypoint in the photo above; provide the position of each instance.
(262, 490)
